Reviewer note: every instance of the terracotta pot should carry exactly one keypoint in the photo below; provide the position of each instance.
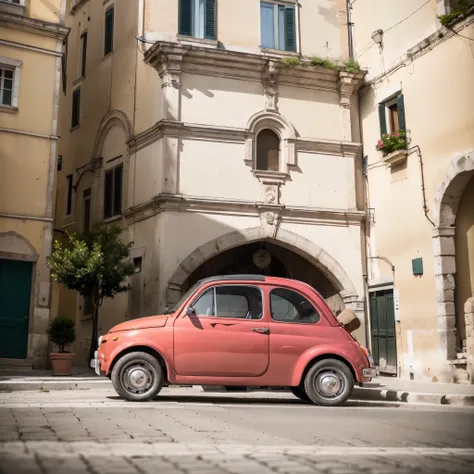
(62, 362)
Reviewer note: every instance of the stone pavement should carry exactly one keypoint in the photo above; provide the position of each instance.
(189, 431)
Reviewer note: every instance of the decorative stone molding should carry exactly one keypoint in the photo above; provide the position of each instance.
(270, 87)
(348, 85)
(395, 157)
(184, 203)
(234, 135)
(15, 246)
(284, 130)
(212, 60)
(112, 118)
(33, 25)
(447, 200)
(294, 242)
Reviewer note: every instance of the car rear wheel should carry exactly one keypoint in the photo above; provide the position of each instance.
(329, 382)
(137, 377)
(300, 393)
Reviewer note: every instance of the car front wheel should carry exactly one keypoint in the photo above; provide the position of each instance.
(137, 377)
(329, 382)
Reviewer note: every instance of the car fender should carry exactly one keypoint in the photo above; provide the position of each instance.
(138, 342)
(327, 351)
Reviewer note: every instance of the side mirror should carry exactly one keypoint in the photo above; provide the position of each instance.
(190, 312)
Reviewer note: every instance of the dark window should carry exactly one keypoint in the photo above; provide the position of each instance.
(69, 194)
(76, 108)
(268, 151)
(243, 302)
(113, 192)
(109, 31)
(278, 26)
(83, 54)
(290, 307)
(87, 210)
(197, 18)
(6, 86)
(137, 264)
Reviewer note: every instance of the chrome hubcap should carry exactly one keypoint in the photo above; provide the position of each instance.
(137, 377)
(329, 384)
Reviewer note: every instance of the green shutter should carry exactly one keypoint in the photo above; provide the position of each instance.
(185, 17)
(290, 29)
(382, 119)
(210, 20)
(401, 112)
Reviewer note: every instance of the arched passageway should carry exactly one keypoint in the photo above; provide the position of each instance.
(267, 258)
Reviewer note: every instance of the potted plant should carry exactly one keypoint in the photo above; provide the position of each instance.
(62, 333)
(392, 142)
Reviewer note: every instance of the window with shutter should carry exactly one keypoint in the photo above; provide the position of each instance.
(83, 54)
(69, 195)
(197, 18)
(392, 115)
(277, 26)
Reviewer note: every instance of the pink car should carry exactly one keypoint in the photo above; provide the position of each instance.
(240, 330)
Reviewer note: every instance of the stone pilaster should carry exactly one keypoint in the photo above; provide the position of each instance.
(445, 270)
(270, 86)
(469, 315)
(348, 85)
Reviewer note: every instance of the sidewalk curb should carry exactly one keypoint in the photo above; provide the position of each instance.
(402, 396)
(364, 394)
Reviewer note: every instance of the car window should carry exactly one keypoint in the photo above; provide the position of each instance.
(291, 307)
(232, 301)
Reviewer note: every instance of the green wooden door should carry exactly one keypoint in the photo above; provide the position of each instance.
(382, 318)
(15, 288)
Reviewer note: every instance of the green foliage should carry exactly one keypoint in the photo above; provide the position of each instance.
(352, 65)
(323, 62)
(95, 264)
(391, 142)
(289, 61)
(461, 8)
(61, 332)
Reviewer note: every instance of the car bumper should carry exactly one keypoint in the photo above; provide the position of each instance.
(96, 364)
(369, 373)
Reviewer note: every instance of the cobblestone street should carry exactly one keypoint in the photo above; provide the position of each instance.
(189, 431)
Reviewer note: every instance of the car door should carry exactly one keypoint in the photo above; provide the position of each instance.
(293, 328)
(223, 335)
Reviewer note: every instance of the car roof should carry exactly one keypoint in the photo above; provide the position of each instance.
(253, 277)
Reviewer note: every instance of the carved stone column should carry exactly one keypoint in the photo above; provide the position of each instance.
(270, 86)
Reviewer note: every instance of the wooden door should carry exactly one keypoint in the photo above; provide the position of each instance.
(382, 317)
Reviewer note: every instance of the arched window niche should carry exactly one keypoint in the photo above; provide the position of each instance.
(270, 146)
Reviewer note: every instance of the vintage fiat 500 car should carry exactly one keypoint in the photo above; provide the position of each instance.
(239, 330)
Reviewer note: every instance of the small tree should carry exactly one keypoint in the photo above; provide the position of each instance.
(61, 332)
(96, 264)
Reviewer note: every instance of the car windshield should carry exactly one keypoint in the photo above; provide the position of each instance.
(183, 299)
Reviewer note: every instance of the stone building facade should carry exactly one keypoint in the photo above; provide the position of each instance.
(204, 131)
(31, 57)
(420, 223)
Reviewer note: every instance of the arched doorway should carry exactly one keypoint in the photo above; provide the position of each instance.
(454, 253)
(270, 259)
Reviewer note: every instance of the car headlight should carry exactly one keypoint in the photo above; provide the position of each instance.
(100, 339)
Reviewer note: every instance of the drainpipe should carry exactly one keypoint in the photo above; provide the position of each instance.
(349, 28)
(423, 190)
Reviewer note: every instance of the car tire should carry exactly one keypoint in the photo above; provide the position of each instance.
(300, 393)
(329, 382)
(137, 377)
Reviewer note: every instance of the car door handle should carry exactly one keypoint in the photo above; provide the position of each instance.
(261, 330)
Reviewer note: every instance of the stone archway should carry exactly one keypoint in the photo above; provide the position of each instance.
(447, 200)
(294, 242)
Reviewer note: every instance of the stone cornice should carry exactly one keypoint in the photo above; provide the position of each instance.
(297, 214)
(174, 58)
(233, 135)
(32, 25)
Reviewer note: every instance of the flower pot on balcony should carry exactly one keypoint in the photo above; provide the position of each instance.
(62, 362)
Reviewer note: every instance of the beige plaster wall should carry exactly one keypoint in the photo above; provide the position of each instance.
(439, 110)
